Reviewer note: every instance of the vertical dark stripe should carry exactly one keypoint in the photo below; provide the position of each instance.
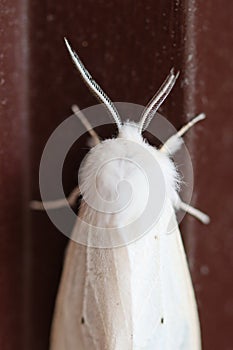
(14, 174)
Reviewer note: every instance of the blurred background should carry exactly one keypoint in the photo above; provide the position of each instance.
(129, 47)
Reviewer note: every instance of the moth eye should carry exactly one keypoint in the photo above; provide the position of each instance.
(82, 320)
(162, 320)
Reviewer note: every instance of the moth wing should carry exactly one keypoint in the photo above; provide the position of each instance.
(93, 307)
(66, 332)
(180, 310)
(139, 296)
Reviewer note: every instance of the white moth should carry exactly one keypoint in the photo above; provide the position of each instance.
(139, 295)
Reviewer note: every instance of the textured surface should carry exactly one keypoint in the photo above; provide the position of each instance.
(13, 175)
(129, 47)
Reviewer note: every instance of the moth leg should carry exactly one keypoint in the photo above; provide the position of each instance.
(86, 124)
(56, 204)
(175, 141)
(205, 219)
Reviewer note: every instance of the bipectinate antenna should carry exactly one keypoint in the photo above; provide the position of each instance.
(156, 101)
(93, 86)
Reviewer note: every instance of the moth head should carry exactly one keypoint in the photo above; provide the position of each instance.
(149, 111)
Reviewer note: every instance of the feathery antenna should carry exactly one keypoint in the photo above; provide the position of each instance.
(93, 86)
(156, 101)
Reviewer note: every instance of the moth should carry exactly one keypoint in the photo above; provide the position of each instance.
(138, 295)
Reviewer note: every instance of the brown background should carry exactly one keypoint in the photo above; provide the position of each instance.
(129, 47)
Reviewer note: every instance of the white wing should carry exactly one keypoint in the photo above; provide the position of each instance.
(180, 321)
(135, 297)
